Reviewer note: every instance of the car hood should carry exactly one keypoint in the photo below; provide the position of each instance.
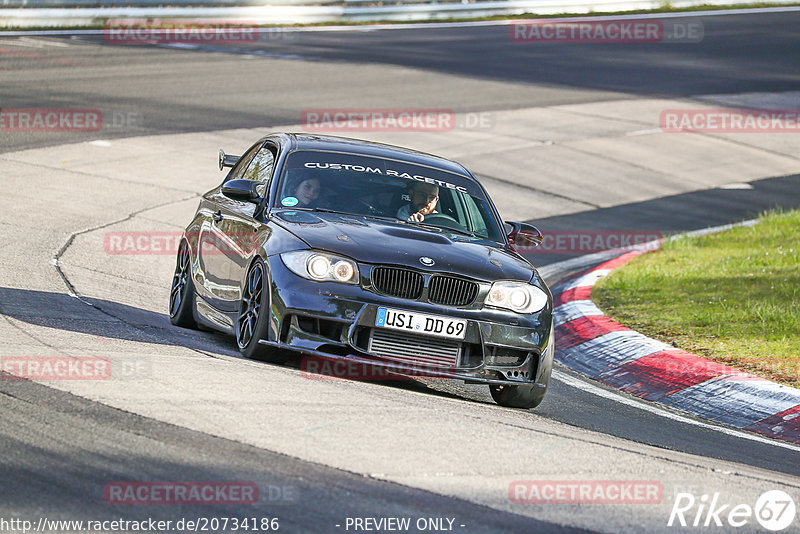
(372, 241)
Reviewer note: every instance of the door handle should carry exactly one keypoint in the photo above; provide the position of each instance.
(217, 216)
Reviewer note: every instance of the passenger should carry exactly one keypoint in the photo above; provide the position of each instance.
(424, 198)
(307, 192)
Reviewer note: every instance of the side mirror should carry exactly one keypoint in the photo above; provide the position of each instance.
(523, 236)
(226, 160)
(244, 190)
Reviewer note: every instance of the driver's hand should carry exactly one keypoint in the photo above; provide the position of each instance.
(417, 217)
(428, 208)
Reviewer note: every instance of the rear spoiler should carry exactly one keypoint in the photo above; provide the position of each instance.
(226, 160)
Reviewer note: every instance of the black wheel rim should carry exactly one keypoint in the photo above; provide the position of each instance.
(179, 281)
(251, 306)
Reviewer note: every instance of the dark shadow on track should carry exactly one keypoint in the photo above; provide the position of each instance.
(674, 214)
(105, 319)
(181, 90)
(74, 447)
(583, 409)
(113, 320)
(737, 54)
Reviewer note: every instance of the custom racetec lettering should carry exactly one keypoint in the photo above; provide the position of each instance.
(341, 166)
(387, 172)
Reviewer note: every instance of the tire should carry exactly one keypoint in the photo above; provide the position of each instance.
(252, 322)
(181, 295)
(526, 397)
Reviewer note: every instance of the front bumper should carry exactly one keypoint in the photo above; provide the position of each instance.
(335, 321)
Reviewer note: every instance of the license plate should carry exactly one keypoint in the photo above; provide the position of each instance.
(420, 323)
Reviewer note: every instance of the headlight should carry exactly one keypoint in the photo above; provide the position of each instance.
(519, 297)
(321, 266)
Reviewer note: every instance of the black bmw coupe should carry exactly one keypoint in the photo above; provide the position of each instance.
(351, 250)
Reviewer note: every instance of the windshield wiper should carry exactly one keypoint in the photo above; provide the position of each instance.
(328, 210)
(380, 217)
(443, 228)
(369, 216)
(323, 210)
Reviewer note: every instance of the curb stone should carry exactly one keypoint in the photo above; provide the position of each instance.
(589, 342)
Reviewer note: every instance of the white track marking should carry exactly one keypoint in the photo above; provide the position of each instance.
(27, 42)
(644, 132)
(575, 309)
(740, 185)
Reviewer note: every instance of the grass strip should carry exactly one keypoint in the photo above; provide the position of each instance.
(731, 297)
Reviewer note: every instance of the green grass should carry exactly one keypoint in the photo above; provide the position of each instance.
(666, 7)
(732, 297)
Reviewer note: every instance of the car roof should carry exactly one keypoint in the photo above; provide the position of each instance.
(301, 141)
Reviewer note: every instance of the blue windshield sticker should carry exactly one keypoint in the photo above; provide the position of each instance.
(289, 201)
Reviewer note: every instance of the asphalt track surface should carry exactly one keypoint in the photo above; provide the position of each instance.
(175, 91)
(59, 449)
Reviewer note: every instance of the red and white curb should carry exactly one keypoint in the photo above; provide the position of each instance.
(592, 344)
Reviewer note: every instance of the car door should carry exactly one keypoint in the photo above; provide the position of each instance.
(241, 225)
(226, 238)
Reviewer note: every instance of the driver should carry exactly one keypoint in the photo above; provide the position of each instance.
(424, 198)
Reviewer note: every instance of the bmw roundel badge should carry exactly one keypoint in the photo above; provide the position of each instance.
(426, 261)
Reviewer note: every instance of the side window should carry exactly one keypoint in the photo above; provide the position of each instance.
(447, 205)
(475, 215)
(243, 163)
(260, 169)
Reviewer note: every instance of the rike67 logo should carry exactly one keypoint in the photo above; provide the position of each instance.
(774, 510)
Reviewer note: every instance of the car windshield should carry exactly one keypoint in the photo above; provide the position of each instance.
(431, 198)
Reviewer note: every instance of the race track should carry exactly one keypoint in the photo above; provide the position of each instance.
(566, 136)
